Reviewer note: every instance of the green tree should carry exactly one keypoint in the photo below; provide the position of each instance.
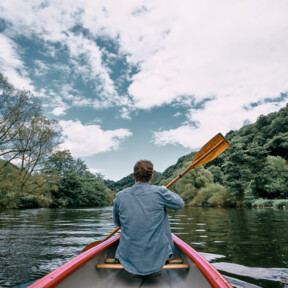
(275, 178)
(17, 108)
(236, 175)
(255, 161)
(218, 175)
(71, 184)
(188, 186)
(278, 145)
(212, 195)
(35, 143)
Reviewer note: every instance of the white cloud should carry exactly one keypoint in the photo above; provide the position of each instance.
(95, 171)
(234, 52)
(52, 23)
(219, 115)
(59, 111)
(216, 48)
(11, 64)
(87, 140)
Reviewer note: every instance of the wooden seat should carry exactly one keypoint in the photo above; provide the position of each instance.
(111, 263)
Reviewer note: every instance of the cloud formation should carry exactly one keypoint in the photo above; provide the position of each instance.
(87, 140)
(137, 55)
(11, 64)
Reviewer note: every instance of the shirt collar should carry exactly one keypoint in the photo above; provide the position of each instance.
(140, 183)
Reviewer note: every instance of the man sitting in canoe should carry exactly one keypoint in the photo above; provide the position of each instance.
(145, 241)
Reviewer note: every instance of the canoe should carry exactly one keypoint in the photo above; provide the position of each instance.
(97, 268)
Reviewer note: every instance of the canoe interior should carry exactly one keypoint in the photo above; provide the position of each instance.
(89, 276)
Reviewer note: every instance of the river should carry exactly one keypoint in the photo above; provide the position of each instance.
(248, 246)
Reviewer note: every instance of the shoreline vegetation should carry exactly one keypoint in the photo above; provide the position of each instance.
(252, 172)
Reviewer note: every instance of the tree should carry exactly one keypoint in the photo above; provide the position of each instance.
(236, 175)
(17, 108)
(255, 161)
(218, 175)
(275, 178)
(278, 145)
(34, 143)
(71, 183)
(213, 195)
(26, 139)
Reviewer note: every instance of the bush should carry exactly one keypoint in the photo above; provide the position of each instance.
(281, 203)
(6, 199)
(214, 195)
(29, 201)
(268, 203)
(262, 203)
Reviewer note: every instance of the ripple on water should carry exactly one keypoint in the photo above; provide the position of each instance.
(271, 274)
(198, 243)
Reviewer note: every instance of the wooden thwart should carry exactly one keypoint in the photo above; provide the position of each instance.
(119, 266)
(111, 263)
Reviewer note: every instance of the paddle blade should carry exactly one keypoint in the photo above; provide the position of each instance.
(95, 243)
(91, 245)
(212, 149)
(208, 152)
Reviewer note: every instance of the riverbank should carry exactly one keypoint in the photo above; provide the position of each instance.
(267, 203)
(255, 203)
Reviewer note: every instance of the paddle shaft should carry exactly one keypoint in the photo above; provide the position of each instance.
(113, 232)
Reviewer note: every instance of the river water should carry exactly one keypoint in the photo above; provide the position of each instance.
(248, 246)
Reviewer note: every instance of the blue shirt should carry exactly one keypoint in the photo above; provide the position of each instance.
(145, 241)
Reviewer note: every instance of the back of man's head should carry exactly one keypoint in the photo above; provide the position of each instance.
(143, 170)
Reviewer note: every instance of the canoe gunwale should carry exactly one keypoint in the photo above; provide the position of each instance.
(61, 273)
(214, 277)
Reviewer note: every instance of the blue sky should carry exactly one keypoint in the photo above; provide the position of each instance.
(155, 80)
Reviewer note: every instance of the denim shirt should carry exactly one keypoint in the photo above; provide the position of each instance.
(145, 241)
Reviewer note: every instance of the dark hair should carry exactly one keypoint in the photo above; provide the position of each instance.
(143, 170)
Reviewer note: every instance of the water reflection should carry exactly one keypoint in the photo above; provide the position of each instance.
(247, 246)
(251, 243)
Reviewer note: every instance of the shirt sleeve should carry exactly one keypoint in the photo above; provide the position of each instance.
(116, 218)
(171, 199)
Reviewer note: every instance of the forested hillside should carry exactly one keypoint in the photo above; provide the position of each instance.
(253, 171)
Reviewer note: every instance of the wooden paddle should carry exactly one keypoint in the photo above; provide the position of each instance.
(91, 245)
(208, 152)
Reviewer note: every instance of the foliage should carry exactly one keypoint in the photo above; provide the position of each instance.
(197, 187)
(280, 203)
(17, 109)
(129, 181)
(213, 195)
(218, 175)
(253, 167)
(26, 137)
(121, 184)
(275, 178)
(268, 203)
(39, 177)
(71, 184)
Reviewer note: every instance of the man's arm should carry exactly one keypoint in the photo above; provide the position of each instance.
(171, 199)
(116, 218)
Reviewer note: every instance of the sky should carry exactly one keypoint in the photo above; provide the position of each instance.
(130, 80)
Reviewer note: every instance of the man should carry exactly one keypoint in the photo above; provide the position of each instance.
(145, 241)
